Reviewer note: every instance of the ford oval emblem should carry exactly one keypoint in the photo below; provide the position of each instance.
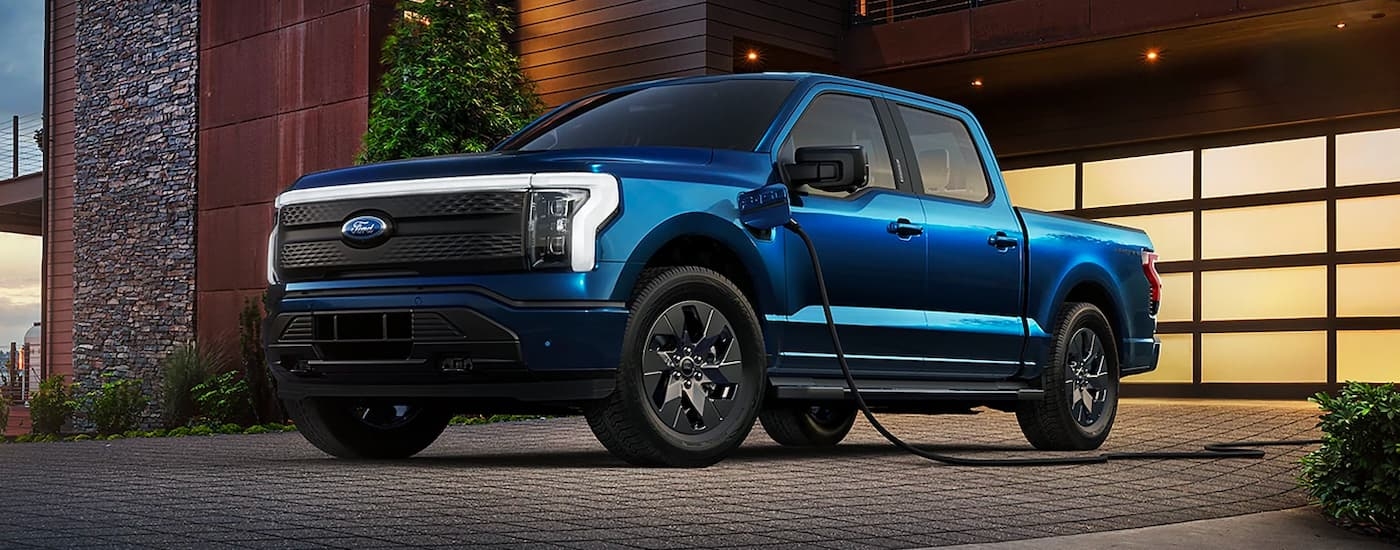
(365, 229)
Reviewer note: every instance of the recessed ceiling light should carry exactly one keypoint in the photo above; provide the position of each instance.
(1341, 24)
(1152, 55)
(976, 83)
(752, 56)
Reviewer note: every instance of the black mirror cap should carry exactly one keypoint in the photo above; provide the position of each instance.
(840, 168)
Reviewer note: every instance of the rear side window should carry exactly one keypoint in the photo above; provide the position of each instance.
(949, 165)
(838, 119)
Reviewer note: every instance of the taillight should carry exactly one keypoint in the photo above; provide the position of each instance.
(1154, 281)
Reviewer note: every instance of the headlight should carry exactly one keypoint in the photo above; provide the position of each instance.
(566, 211)
(551, 217)
(272, 257)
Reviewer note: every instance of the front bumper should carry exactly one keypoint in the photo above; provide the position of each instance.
(440, 343)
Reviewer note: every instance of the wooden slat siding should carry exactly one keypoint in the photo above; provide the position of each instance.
(814, 28)
(572, 48)
(58, 284)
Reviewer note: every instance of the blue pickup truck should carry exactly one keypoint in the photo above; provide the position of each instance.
(595, 262)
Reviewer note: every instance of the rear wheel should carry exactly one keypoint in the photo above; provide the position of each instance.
(348, 428)
(691, 376)
(806, 425)
(1080, 383)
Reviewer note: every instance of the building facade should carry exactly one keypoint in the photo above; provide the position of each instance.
(1253, 139)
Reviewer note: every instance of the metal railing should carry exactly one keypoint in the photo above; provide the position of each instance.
(19, 146)
(874, 12)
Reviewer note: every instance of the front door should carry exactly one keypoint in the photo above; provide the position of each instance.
(870, 246)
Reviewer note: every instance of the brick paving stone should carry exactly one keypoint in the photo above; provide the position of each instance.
(548, 484)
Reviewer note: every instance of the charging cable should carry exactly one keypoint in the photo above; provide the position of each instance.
(1233, 449)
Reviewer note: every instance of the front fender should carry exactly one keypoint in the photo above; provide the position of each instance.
(764, 266)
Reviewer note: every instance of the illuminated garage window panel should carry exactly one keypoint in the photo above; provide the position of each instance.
(1368, 290)
(1367, 356)
(1264, 167)
(1134, 180)
(1368, 223)
(1047, 188)
(1264, 230)
(1368, 157)
(1174, 365)
(1282, 293)
(1177, 292)
(1172, 235)
(1264, 357)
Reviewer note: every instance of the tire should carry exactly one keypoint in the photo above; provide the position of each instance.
(340, 428)
(652, 418)
(1080, 403)
(805, 425)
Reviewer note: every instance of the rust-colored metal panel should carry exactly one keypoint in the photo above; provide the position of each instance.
(334, 58)
(223, 21)
(1120, 16)
(274, 105)
(920, 40)
(1028, 22)
(234, 160)
(237, 80)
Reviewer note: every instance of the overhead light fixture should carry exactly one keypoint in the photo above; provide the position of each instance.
(752, 56)
(976, 83)
(1341, 24)
(1152, 55)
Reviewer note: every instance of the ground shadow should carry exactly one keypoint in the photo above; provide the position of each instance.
(601, 459)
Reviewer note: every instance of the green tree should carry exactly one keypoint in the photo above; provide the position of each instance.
(451, 83)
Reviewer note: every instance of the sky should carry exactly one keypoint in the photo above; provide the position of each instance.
(21, 93)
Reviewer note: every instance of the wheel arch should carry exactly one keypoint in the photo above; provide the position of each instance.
(1091, 284)
(704, 240)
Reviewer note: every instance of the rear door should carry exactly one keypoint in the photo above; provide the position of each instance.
(868, 243)
(974, 301)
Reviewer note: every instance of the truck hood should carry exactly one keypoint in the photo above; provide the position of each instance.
(622, 162)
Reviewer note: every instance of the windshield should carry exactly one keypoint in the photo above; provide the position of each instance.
(721, 114)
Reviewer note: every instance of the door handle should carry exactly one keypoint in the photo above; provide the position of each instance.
(1002, 242)
(905, 229)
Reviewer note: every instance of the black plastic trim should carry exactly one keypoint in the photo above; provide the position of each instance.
(473, 289)
(818, 389)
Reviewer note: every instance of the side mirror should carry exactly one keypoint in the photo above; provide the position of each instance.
(766, 207)
(829, 168)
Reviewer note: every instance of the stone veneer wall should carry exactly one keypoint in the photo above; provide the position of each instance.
(134, 187)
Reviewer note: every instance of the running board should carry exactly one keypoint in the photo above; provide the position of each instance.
(828, 389)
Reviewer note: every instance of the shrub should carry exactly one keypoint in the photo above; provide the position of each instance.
(451, 83)
(201, 430)
(81, 437)
(50, 406)
(254, 430)
(116, 406)
(223, 399)
(187, 366)
(26, 438)
(4, 414)
(262, 388)
(178, 432)
(1355, 475)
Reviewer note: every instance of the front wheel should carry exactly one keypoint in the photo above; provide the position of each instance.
(354, 429)
(691, 377)
(1080, 383)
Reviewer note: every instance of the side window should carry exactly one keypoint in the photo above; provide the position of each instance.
(948, 162)
(837, 119)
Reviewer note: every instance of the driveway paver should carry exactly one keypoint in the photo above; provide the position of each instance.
(547, 483)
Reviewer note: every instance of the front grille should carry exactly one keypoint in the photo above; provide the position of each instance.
(457, 233)
(404, 250)
(457, 204)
